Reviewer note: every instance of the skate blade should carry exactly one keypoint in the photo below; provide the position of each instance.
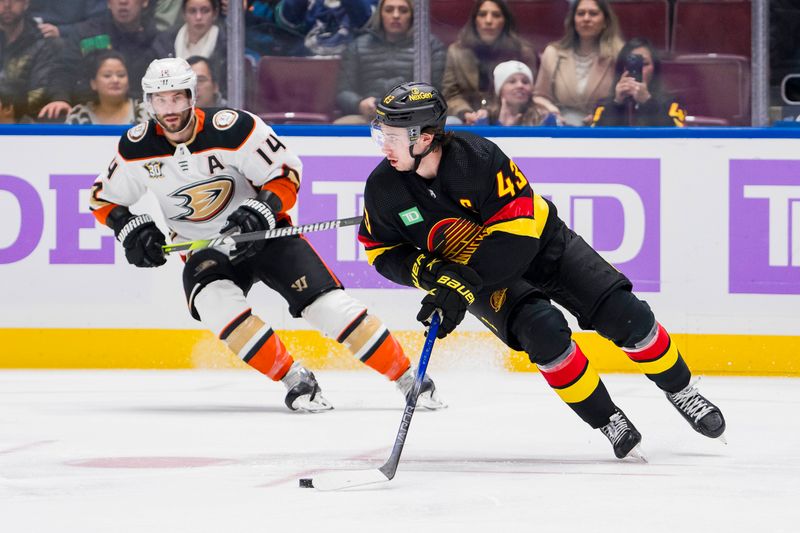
(306, 404)
(637, 453)
(431, 402)
(722, 439)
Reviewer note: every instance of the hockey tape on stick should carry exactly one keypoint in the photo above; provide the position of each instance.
(260, 235)
(356, 478)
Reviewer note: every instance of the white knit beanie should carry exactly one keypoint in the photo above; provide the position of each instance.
(505, 70)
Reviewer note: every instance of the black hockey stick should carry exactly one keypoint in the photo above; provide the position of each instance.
(356, 478)
(260, 235)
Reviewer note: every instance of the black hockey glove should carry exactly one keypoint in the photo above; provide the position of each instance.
(142, 241)
(451, 288)
(255, 214)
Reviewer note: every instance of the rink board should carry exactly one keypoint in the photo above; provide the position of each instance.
(706, 225)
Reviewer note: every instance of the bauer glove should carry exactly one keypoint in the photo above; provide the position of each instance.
(451, 288)
(142, 241)
(255, 214)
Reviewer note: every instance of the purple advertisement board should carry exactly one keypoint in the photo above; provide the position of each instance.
(613, 203)
(764, 251)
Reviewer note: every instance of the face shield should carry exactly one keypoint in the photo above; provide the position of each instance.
(393, 137)
(168, 103)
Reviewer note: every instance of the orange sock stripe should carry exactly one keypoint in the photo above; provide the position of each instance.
(270, 357)
(388, 358)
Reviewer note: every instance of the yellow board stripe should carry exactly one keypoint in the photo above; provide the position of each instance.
(753, 355)
(662, 364)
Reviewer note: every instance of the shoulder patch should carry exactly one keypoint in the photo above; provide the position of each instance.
(136, 133)
(224, 119)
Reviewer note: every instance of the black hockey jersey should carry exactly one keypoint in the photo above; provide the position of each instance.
(479, 210)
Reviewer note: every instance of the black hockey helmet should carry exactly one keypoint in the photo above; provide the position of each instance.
(412, 104)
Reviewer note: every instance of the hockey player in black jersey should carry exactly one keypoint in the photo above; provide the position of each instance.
(451, 214)
(221, 171)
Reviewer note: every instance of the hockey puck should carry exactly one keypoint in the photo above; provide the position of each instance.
(306, 483)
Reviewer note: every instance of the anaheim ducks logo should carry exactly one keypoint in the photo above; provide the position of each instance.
(136, 133)
(497, 299)
(455, 238)
(204, 200)
(224, 119)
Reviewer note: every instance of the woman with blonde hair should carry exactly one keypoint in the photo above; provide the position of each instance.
(488, 38)
(578, 71)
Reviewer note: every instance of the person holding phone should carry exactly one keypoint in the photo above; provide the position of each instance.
(638, 98)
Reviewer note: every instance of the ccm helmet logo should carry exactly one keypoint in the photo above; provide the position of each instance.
(388, 99)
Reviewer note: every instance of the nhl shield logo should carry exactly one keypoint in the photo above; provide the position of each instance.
(154, 169)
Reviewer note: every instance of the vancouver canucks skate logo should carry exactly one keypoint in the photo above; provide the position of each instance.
(456, 239)
(204, 200)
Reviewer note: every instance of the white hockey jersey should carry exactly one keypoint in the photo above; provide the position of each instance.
(230, 157)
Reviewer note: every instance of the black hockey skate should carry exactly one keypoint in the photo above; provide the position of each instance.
(702, 415)
(428, 397)
(304, 393)
(623, 436)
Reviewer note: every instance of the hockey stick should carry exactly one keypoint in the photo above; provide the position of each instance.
(260, 235)
(356, 478)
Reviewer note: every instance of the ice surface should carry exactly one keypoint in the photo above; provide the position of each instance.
(216, 451)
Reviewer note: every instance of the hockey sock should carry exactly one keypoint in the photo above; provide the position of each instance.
(369, 340)
(257, 345)
(576, 381)
(660, 360)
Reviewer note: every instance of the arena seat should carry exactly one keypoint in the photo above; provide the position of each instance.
(644, 18)
(713, 88)
(448, 17)
(297, 90)
(539, 21)
(711, 26)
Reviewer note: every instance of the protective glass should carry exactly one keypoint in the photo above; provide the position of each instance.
(393, 137)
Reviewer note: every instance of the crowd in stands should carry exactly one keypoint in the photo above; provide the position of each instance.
(80, 61)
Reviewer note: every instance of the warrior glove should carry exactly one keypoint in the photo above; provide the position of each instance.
(451, 288)
(142, 241)
(255, 214)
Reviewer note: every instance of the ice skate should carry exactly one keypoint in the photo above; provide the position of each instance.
(702, 415)
(428, 397)
(623, 436)
(304, 393)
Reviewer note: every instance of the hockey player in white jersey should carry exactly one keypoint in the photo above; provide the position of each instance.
(221, 171)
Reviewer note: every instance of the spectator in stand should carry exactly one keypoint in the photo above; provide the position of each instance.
(513, 103)
(578, 71)
(12, 107)
(59, 18)
(380, 59)
(640, 102)
(32, 63)
(264, 33)
(108, 78)
(121, 28)
(208, 94)
(328, 25)
(166, 14)
(198, 36)
(489, 38)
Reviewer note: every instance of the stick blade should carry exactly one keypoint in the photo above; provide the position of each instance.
(345, 479)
